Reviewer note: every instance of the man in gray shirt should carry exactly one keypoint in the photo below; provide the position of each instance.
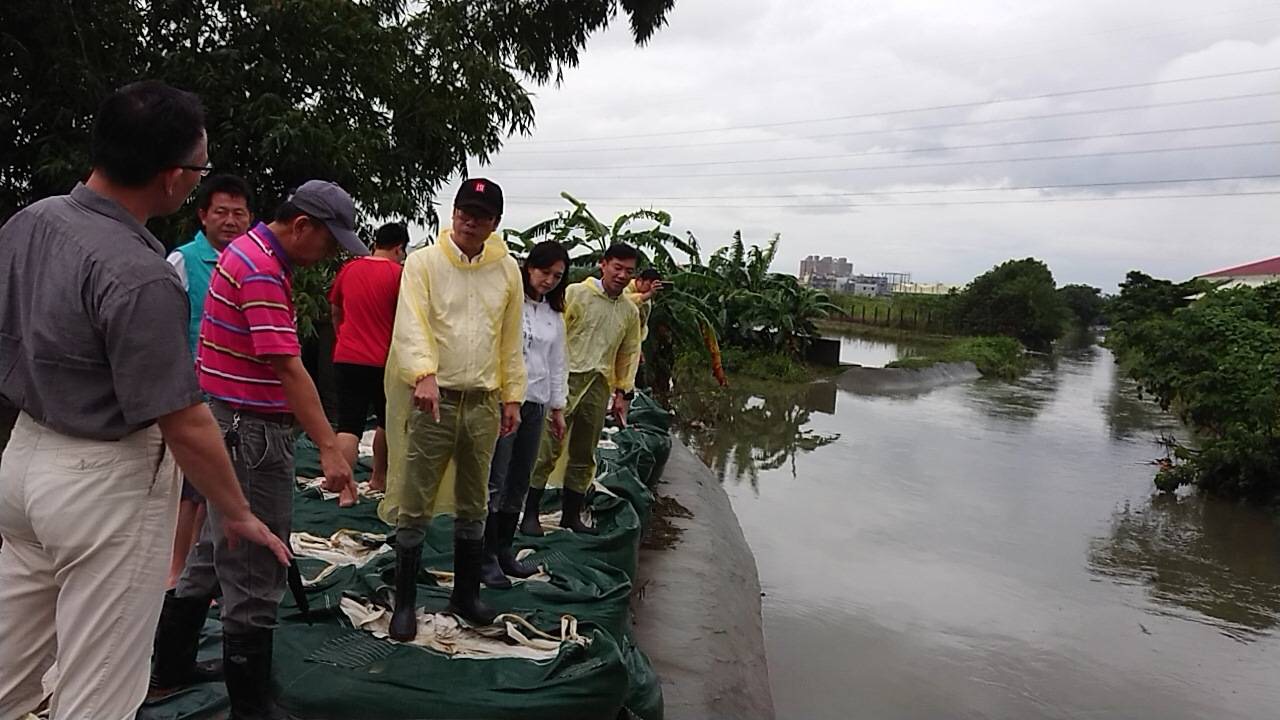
(94, 355)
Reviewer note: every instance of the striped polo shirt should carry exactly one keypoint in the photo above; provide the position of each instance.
(248, 316)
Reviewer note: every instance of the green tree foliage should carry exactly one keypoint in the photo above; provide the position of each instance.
(1085, 303)
(386, 97)
(1144, 298)
(1215, 363)
(1016, 298)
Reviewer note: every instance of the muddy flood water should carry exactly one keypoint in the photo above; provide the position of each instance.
(993, 550)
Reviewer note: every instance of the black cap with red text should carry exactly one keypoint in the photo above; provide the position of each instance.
(480, 194)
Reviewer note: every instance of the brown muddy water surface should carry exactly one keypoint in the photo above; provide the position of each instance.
(993, 550)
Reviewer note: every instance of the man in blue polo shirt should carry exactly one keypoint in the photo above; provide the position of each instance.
(222, 206)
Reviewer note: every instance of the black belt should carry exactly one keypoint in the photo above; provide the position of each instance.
(276, 418)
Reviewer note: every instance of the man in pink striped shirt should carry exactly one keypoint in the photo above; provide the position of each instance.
(248, 365)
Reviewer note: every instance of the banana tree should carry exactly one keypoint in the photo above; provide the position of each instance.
(586, 237)
(682, 319)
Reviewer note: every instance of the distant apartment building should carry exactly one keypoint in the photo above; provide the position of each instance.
(836, 274)
(822, 282)
(919, 288)
(867, 285)
(824, 267)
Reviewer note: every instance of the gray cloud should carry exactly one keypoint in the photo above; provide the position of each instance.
(723, 64)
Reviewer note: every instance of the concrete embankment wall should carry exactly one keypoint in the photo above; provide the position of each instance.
(892, 381)
(697, 610)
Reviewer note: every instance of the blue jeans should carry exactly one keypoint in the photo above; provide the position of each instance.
(513, 460)
(248, 577)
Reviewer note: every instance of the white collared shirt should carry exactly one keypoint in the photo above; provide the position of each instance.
(466, 259)
(544, 355)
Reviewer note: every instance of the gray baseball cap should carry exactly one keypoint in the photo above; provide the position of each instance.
(331, 205)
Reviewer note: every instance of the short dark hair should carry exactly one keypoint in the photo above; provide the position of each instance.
(621, 251)
(287, 211)
(228, 184)
(144, 128)
(650, 273)
(542, 256)
(391, 235)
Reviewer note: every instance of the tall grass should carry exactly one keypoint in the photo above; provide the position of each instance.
(995, 356)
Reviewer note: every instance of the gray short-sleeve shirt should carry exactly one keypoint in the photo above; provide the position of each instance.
(93, 321)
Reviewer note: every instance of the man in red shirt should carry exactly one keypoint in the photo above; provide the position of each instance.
(364, 311)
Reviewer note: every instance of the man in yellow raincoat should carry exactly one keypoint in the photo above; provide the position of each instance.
(602, 334)
(455, 380)
(641, 291)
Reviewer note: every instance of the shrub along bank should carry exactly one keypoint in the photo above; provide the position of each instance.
(1211, 357)
(995, 356)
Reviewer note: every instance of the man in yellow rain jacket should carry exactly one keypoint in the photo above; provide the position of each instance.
(455, 380)
(641, 291)
(602, 334)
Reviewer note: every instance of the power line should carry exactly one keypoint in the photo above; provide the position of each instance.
(928, 108)
(996, 188)
(936, 148)
(951, 163)
(911, 128)
(1104, 198)
(971, 59)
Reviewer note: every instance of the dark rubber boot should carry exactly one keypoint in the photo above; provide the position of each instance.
(404, 621)
(465, 601)
(177, 640)
(490, 572)
(246, 658)
(505, 534)
(571, 513)
(530, 526)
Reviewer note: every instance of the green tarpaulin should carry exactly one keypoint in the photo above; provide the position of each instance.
(333, 671)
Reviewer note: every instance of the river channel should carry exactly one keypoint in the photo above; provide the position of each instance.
(993, 550)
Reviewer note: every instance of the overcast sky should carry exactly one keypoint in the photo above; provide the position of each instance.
(675, 108)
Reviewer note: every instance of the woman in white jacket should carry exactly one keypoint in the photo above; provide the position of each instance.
(545, 279)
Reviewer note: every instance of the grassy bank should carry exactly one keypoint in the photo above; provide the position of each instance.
(998, 357)
(692, 372)
(880, 332)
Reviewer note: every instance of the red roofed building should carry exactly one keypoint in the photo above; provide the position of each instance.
(1252, 274)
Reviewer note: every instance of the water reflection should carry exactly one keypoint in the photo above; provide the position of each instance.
(1021, 400)
(873, 352)
(1217, 559)
(739, 432)
(1131, 415)
(962, 555)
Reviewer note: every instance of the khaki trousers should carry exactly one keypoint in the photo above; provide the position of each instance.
(584, 418)
(465, 437)
(88, 529)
